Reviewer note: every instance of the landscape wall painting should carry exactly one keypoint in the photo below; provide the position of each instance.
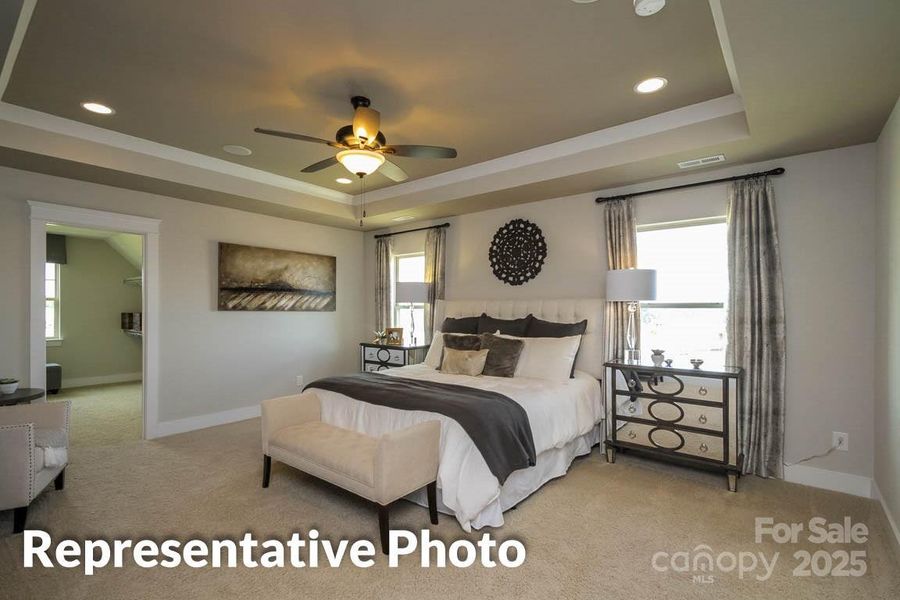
(252, 278)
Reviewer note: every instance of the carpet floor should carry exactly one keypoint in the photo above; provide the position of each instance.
(591, 534)
(103, 415)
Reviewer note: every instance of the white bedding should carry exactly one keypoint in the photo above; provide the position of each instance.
(559, 412)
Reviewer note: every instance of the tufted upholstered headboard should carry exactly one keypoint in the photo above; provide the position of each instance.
(590, 356)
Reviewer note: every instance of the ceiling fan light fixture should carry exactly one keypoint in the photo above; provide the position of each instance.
(366, 124)
(360, 162)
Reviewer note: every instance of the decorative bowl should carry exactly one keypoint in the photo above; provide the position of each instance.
(9, 388)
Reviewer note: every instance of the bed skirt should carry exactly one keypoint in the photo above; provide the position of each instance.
(551, 464)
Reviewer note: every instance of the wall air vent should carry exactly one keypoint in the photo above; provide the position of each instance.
(701, 162)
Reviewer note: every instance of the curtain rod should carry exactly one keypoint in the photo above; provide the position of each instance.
(441, 226)
(778, 171)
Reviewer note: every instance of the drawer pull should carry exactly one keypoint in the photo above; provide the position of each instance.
(702, 419)
(632, 408)
(632, 384)
(632, 434)
(704, 448)
(703, 391)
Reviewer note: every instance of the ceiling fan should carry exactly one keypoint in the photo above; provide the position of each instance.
(362, 147)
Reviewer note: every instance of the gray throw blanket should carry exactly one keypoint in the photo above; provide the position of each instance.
(497, 424)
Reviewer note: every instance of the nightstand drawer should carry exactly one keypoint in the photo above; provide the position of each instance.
(672, 440)
(670, 410)
(385, 355)
(372, 367)
(670, 385)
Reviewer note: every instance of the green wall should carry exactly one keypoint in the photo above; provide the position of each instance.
(92, 296)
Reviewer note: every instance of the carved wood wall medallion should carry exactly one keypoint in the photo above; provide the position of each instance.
(517, 252)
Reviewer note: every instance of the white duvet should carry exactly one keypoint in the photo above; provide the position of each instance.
(559, 412)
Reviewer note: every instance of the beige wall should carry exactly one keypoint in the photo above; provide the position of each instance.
(826, 221)
(92, 298)
(887, 391)
(210, 361)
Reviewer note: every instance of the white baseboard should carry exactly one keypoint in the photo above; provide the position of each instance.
(166, 428)
(101, 380)
(876, 493)
(835, 481)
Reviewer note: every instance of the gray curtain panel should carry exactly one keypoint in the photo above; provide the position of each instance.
(435, 257)
(621, 252)
(756, 322)
(383, 305)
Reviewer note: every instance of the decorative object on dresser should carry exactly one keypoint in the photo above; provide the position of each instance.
(517, 252)
(681, 414)
(631, 286)
(411, 293)
(252, 278)
(378, 357)
(393, 336)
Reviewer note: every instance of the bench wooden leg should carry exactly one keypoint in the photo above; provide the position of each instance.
(19, 517)
(267, 469)
(60, 481)
(383, 526)
(431, 489)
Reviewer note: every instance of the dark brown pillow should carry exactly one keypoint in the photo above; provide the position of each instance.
(462, 342)
(460, 325)
(503, 356)
(540, 328)
(516, 327)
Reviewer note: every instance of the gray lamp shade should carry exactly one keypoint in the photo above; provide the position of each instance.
(411, 292)
(630, 285)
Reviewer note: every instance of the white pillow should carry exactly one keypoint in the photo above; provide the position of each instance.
(435, 351)
(546, 358)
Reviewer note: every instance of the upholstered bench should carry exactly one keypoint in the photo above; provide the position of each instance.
(382, 469)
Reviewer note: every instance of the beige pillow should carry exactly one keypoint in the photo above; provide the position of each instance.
(463, 362)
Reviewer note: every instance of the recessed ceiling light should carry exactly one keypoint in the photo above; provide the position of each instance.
(584, 1)
(403, 218)
(344, 180)
(648, 86)
(237, 150)
(96, 107)
(645, 8)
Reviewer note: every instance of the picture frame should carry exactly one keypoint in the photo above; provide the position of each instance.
(393, 336)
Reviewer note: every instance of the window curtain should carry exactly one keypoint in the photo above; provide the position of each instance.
(621, 252)
(383, 306)
(435, 257)
(756, 322)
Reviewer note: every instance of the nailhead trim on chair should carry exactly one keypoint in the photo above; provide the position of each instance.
(29, 427)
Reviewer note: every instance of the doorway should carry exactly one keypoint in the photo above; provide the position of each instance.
(93, 329)
(94, 326)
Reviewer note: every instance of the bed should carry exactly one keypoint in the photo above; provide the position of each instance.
(565, 417)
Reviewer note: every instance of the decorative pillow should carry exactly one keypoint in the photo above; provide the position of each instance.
(516, 327)
(464, 362)
(503, 356)
(541, 328)
(461, 341)
(460, 325)
(436, 350)
(547, 358)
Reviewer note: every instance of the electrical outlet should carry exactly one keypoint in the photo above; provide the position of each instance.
(840, 440)
(299, 380)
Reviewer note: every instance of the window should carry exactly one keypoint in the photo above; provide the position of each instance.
(51, 306)
(409, 268)
(691, 261)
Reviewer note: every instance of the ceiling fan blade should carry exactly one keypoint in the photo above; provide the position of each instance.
(392, 171)
(297, 136)
(415, 151)
(322, 164)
